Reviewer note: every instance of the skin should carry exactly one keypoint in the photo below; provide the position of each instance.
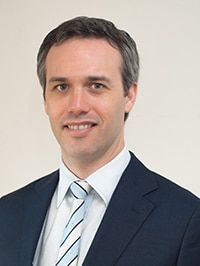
(85, 102)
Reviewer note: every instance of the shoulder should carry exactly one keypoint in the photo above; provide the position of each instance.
(164, 189)
(20, 194)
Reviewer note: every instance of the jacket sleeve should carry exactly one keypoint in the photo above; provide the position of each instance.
(190, 247)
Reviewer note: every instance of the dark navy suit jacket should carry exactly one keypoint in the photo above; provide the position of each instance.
(150, 221)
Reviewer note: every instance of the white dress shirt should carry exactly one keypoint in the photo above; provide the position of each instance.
(103, 182)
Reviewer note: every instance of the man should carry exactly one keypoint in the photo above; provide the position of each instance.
(89, 72)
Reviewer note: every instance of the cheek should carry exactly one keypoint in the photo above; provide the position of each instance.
(49, 107)
(52, 109)
(113, 111)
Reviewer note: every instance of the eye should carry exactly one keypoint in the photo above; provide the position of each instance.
(61, 87)
(97, 86)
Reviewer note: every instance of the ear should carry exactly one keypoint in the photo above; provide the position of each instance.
(131, 97)
(46, 107)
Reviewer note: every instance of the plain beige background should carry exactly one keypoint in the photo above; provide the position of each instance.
(164, 127)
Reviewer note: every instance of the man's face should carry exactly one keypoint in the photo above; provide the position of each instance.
(84, 99)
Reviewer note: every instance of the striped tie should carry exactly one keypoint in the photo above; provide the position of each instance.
(69, 248)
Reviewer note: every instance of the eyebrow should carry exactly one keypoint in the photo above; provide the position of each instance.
(89, 78)
(58, 79)
(100, 78)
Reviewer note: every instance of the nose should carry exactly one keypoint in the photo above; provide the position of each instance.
(78, 102)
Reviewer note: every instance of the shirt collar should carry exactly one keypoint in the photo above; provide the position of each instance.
(103, 181)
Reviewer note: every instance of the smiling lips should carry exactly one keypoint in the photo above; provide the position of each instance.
(79, 127)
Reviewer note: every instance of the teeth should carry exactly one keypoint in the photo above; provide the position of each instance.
(80, 127)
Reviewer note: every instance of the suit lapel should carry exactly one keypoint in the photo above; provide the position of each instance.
(126, 213)
(35, 209)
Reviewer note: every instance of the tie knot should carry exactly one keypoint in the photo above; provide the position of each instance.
(80, 189)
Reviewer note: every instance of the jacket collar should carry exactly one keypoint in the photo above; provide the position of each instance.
(127, 211)
(39, 199)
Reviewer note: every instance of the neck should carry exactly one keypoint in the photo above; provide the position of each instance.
(84, 167)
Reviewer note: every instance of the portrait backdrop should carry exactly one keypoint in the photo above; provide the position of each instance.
(164, 127)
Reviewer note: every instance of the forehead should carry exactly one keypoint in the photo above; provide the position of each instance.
(77, 49)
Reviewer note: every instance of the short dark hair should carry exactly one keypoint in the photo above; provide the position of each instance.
(86, 27)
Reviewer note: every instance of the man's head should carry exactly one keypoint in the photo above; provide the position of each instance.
(95, 28)
(89, 71)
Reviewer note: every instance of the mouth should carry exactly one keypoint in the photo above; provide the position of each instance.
(79, 126)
